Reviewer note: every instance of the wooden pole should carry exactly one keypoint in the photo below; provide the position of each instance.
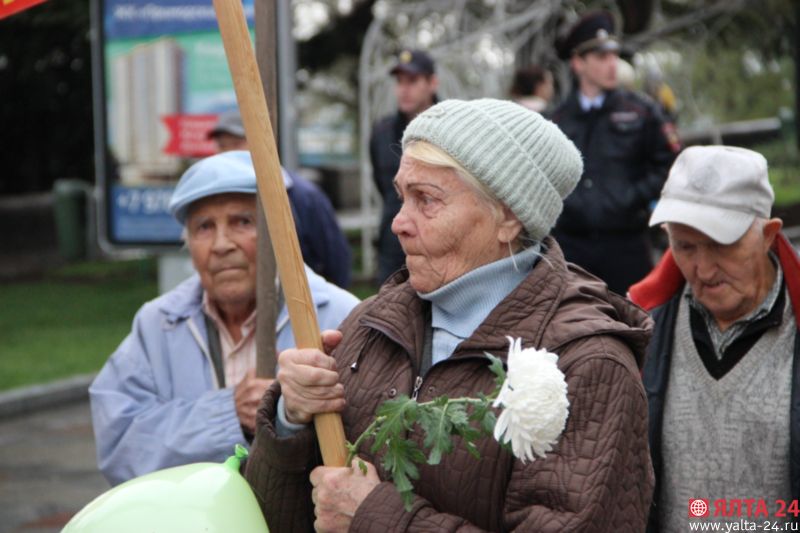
(272, 192)
(266, 291)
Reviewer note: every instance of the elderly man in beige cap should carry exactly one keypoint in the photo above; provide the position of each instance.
(722, 373)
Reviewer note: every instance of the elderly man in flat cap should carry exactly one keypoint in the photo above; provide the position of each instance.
(627, 150)
(721, 372)
(181, 387)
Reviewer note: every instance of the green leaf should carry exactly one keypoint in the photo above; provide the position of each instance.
(399, 459)
(458, 414)
(362, 466)
(393, 409)
(469, 433)
(441, 401)
(497, 369)
(435, 423)
(488, 422)
(398, 416)
(472, 449)
(479, 409)
(463, 428)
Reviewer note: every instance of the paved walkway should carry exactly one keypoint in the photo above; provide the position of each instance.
(47, 468)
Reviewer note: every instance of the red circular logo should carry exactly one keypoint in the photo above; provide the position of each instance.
(698, 508)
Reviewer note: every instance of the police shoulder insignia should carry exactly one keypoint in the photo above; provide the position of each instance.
(671, 133)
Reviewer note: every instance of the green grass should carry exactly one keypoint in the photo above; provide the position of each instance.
(362, 285)
(784, 169)
(363, 289)
(786, 183)
(71, 321)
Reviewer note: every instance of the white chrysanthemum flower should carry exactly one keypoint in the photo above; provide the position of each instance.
(534, 402)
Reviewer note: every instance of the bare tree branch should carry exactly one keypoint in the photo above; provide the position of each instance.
(698, 16)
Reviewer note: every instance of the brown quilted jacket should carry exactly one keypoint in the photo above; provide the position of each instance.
(599, 476)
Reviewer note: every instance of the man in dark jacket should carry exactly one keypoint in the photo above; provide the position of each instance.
(415, 89)
(627, 150)
(322, 243)
(721, 372)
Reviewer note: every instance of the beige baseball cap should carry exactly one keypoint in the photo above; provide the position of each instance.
(718, 190)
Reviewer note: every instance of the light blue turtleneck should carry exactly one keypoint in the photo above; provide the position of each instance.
(459, 307)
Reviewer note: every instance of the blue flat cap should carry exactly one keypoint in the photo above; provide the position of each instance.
(222, 173)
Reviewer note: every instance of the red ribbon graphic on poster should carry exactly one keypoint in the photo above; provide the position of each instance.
(189, 135)
(9, 7)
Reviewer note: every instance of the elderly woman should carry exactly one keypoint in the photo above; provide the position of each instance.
(482, 183)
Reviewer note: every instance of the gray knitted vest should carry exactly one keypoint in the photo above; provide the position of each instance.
(726, 438)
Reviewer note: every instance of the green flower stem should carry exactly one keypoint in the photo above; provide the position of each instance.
(372, 428)
(396, 417)
(353, 448)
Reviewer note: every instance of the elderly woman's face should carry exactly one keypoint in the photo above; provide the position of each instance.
(444, 227)
(221, 235)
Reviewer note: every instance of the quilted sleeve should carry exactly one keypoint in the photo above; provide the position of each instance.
(278, 470)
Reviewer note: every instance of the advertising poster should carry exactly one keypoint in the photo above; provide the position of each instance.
(166, 81)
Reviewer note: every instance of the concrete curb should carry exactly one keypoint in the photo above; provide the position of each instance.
(27, 399)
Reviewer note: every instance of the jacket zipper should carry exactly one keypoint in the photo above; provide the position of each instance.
(417, 386)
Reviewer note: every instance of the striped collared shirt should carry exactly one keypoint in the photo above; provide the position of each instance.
(237, 357)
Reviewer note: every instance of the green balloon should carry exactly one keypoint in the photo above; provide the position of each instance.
(201, 497)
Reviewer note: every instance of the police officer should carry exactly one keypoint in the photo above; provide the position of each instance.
(627, 148)
(415, 90)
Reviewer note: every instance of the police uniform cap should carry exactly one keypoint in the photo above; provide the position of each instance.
(413, 62)
(594, 31)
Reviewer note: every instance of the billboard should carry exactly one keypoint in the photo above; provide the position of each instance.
(163, 81)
